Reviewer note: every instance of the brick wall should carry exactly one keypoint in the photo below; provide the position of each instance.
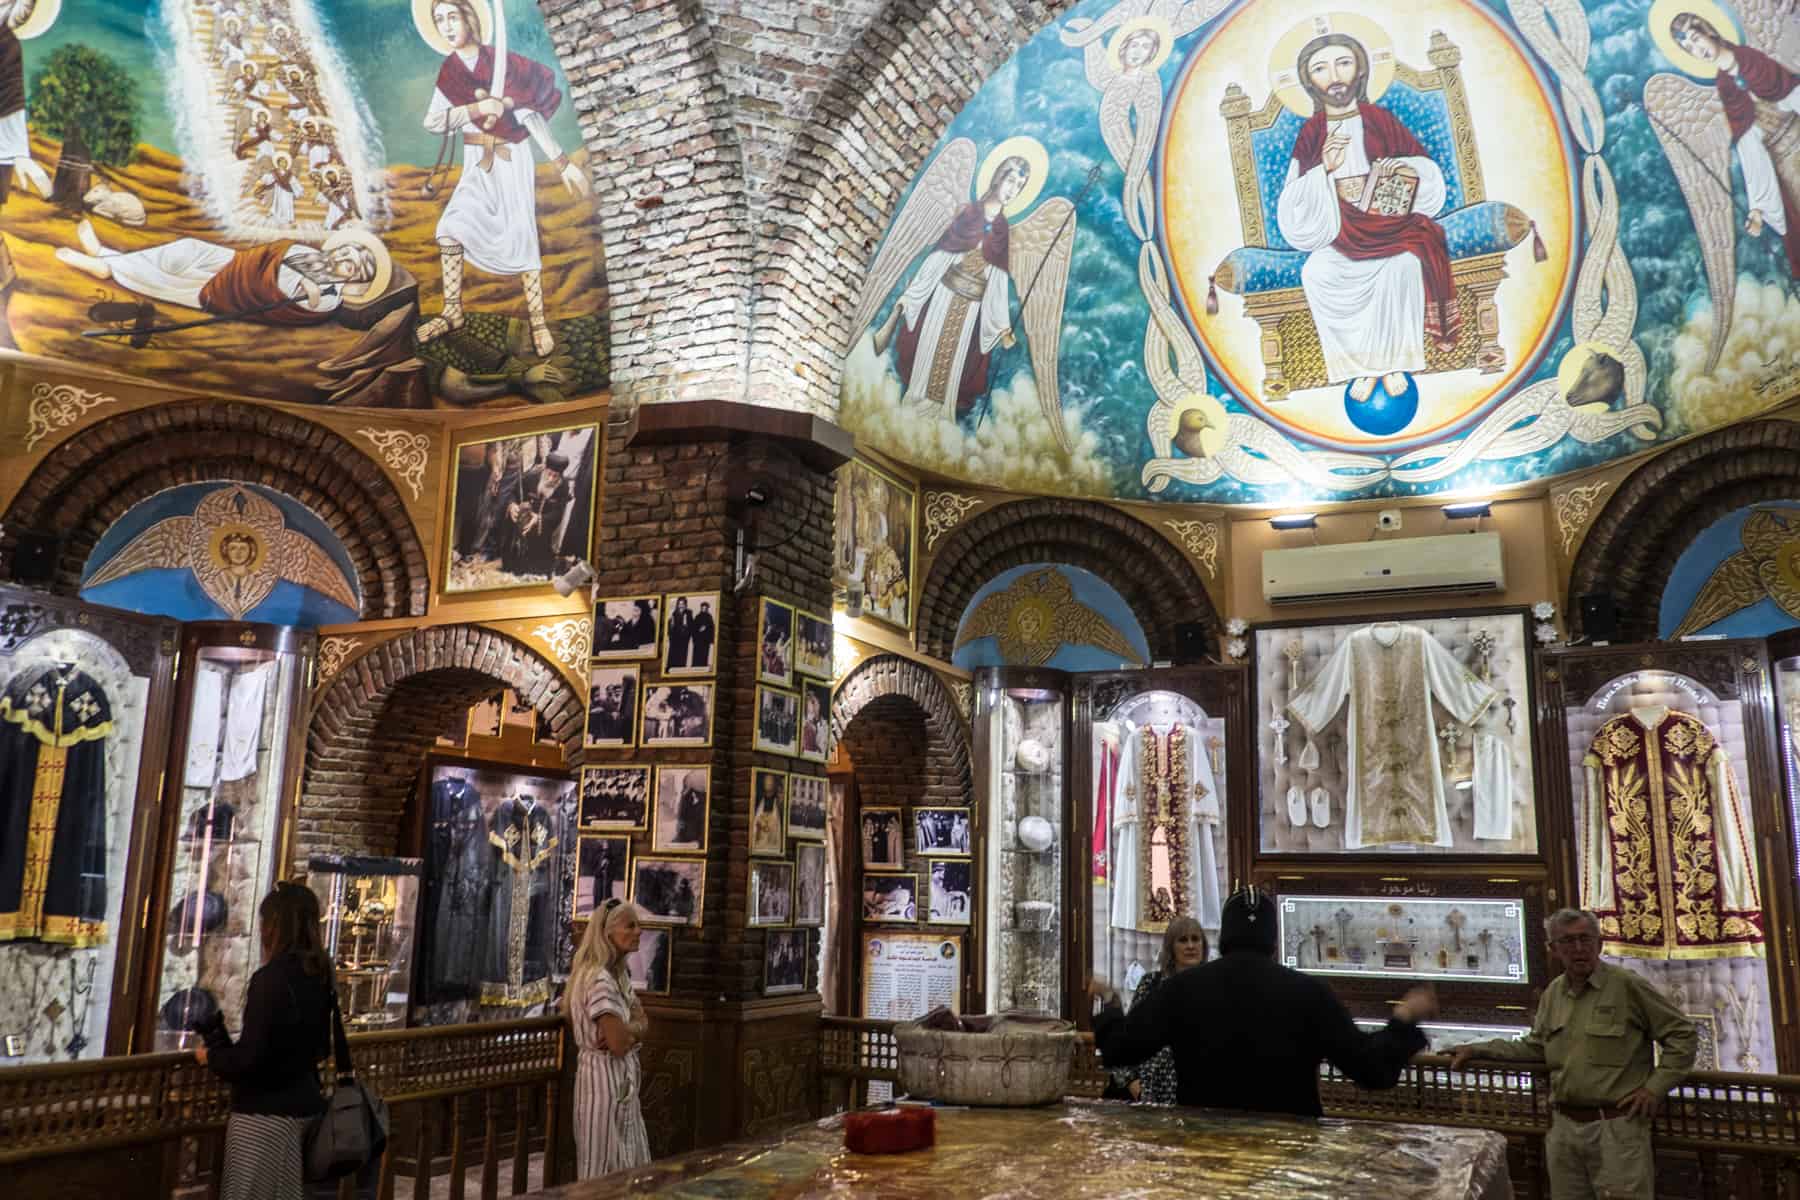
(1655, 514)
(79, 490)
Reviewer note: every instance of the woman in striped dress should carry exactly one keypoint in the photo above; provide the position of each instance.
(273, 1065)
(609, 1024)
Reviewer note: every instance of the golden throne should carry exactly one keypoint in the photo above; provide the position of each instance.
(1265, 271)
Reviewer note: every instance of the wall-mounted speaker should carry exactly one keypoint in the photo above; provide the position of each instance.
(1190, 643)
(1599, 617)
(34, 557)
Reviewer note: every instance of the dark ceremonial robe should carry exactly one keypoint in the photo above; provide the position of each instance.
(529, 85)
(533, 551)
(1363, 235)
(703, 639)
(251, 284)
(690, 818)
(456, 902)
(1249, 1033)
(681, 638)
(522, 839)
(980, 243)
(1763, 79)
(54, 720)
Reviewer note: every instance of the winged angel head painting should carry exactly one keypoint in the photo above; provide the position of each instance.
(1254, 251)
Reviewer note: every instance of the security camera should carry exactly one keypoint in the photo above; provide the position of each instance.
(575, 578)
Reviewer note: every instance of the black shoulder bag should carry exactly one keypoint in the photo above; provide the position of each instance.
(353, 1129)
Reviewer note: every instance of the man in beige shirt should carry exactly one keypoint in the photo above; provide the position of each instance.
(1595, 1027)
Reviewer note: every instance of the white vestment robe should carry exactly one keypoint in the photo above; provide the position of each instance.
(1390, 674)
(243, 723)
(1131, 822)
(1370, 313)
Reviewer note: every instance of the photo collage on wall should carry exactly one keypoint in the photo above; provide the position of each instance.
(940, 888)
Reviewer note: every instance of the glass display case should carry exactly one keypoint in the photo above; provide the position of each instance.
(1442, 1037)
(1406, 938)
(232, 770)
(1021, 751)
(368, 906)
(1784, 649)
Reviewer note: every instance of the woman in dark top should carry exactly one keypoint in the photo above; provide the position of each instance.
(273, 1065)
(1153, 1082)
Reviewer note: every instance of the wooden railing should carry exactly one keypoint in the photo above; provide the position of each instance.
(1717, 1135)
(459, 1096)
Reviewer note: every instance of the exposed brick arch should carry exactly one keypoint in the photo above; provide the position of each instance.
(374, 723)
(91, 480)
(1657, 511)
(1161, 587)
(903, 716)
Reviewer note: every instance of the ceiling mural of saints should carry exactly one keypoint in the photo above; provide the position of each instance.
(1740, 577)
(323, 201)
(1342, 248)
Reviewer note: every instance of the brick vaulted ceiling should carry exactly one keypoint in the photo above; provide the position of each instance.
(751, 149)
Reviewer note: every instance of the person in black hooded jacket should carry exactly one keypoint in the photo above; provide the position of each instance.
(1249, 1033)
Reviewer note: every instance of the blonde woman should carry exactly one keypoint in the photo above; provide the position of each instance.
(609, 1024)
(1184, 946)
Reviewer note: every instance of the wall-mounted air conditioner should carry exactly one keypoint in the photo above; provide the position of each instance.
(1461, 563)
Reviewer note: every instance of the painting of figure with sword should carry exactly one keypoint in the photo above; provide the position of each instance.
(500, 104)
(968, 258)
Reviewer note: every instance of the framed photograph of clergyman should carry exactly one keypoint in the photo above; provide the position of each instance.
(952, 891)
(809, 884)
(775, 643)
(649, 965)
(784, 962)
(521, 508)
(873, 549)
(815, 720)
(669, 891)
(806, 808)
(771, 900)
(627, 627)
(690, 633)
(678, 714)
(777, 721)
(768, 792)
(615, 797)
(612, 705)
(602, 872)
(683, 803)
(890, 899)
(812, 644)
(941, 832)
(883, 845)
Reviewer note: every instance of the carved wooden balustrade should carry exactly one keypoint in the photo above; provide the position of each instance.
(459, 1096)
(1719, 1135)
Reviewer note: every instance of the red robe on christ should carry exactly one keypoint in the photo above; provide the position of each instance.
(1363, 235)
(1767, 80)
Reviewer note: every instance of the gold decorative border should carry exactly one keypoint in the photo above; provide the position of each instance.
(56, 406)
(569, 640)
(334, 655)
(1573, 508)
(1201, 540)
(406, 454)
(944, 511)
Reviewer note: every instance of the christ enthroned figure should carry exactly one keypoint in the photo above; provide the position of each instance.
(1360, 197)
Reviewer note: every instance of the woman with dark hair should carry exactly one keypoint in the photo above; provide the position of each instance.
(273, 1064)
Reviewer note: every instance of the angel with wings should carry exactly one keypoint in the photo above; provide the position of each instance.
(1747, 110)
(971, 260)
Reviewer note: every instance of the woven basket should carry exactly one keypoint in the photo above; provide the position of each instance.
(1005, 1061)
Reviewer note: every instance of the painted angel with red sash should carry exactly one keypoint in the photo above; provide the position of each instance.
(1377, 277)
(1748, 109)
(501, 104)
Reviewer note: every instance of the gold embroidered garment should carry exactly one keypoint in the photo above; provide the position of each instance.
(1168, 805)
(1390, 674)
(1666, 860)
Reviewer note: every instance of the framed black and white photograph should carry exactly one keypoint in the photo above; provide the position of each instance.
(775, 643)
(683, 800)
(627, 627)
(602, 872)
(806, 807)
(677, 714)
(812, 644)
(815, 720)
(883, 841)
(784, 962)
(809, 884)
(521, 508)
(669, 891)
(649, 965)
(890, 899)
(771, 900)
(941, 832)
(612, 705)
(777, 720)
(615, 797)
(952, 891)
(690, 633)
(768, 797)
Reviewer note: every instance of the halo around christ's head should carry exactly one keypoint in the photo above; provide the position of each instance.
(1035, 156)
(421, 14)
(1284, 71)
(1165, 42)
(1663, 14)
(42, 17)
